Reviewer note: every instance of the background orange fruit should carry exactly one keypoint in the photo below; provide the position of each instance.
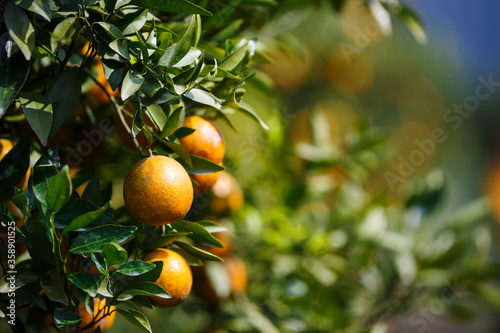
(206, 141)
(158, 190)
(5, 146)
(228, 195)
(104, 324)
(176, 277)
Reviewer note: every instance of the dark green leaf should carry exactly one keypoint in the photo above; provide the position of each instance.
(14, 70)
(175, 6)
(52, 285)
(99, 262)
(65, 319)
(164, 240)
(201, 166)
(235, 58)
(148, 289)
(198, 233)
(39, 7)
(112, 30)
(136, 318)
(197, 252)
(63, 32)
(94, 239)
(188, 39)
(131, 83)
(85, 219)
(41, 177)
(76, 208)
(179, 150)
(182, 132)
(172, 123)
(120, 46)
(114, 254)
(134, 21)
(20, 28)
(203, 97)
(38, 112)
(136, 267)
(64, 95)
(87, 282)
(59, 190)
(157, 115)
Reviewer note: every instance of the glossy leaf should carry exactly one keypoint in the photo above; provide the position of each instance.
(203, 97)
(136, 267)
(65, 319)
(175, 6)
(39, 7)
(172, 123)
(59, 190)
(131, 83)
(114, 254)
(87, 282)
(85, 219)
(188, 39)
(197, 252)
(76, 208)
(20, 28)
(63, 32)
(94, 239)
(136, 318)
(201, 166)
(198, 233)
(148, 289)
(38, 112)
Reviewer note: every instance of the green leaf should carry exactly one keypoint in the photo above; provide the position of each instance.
(114, 254)
(39, 7)
(20, 28)
(64, 95)
(201, 166)
(100, 262)
(87, 282)
(203, 97)
(182, 132)
(87, 218)
(413, 23)
(212, 227)
(164, 240)
(197, 252)
(94, 239)
(41, 178)
(25, 274)
(150, 276)
(63, 32)
(120, 46)
(173, 6)
(179, 150)
(172, 123)
(52, 285)
(65, 319)
(247, 110)
(148, 289)
(59, 190)
(74, 209)
(14, 70)
(198, 233)
(136, 318)
(188, 39)
(136, 267)
(235, 58)
(38, 112)
(189, 58)
(134, 21)
(131, 83)
(137, 123)
(112, 30)
(157, 115)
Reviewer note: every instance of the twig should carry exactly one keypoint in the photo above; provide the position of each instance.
(118, 108)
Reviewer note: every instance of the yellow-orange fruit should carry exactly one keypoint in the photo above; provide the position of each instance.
(157, 191)
(206, 181)
(206, 141)
(6, 146)
(228, 195)
(351, 75)
(222, 252)
(288, 71)
(238, 275)
(104, 324)
(176, 277)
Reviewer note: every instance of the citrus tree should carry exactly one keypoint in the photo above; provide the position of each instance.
(113, 182)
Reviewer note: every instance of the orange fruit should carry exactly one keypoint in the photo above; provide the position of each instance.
(157, 191)
(104, 324)
(357, 22)
(238, 275)
(288, 71)
(5, 146)
(227, 194)
(351, 75)
(176, 277)
(206, 141)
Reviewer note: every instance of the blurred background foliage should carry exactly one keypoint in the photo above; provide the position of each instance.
(328, 246)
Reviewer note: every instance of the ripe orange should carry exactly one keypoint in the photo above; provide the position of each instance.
(350, 75)
(5, 146)
(237, 274)
(288, 71)
(356, 19)
(157, 191)
(228, 195)
(206, 141)
(80, 189)
(176, 277)
(104, 324)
